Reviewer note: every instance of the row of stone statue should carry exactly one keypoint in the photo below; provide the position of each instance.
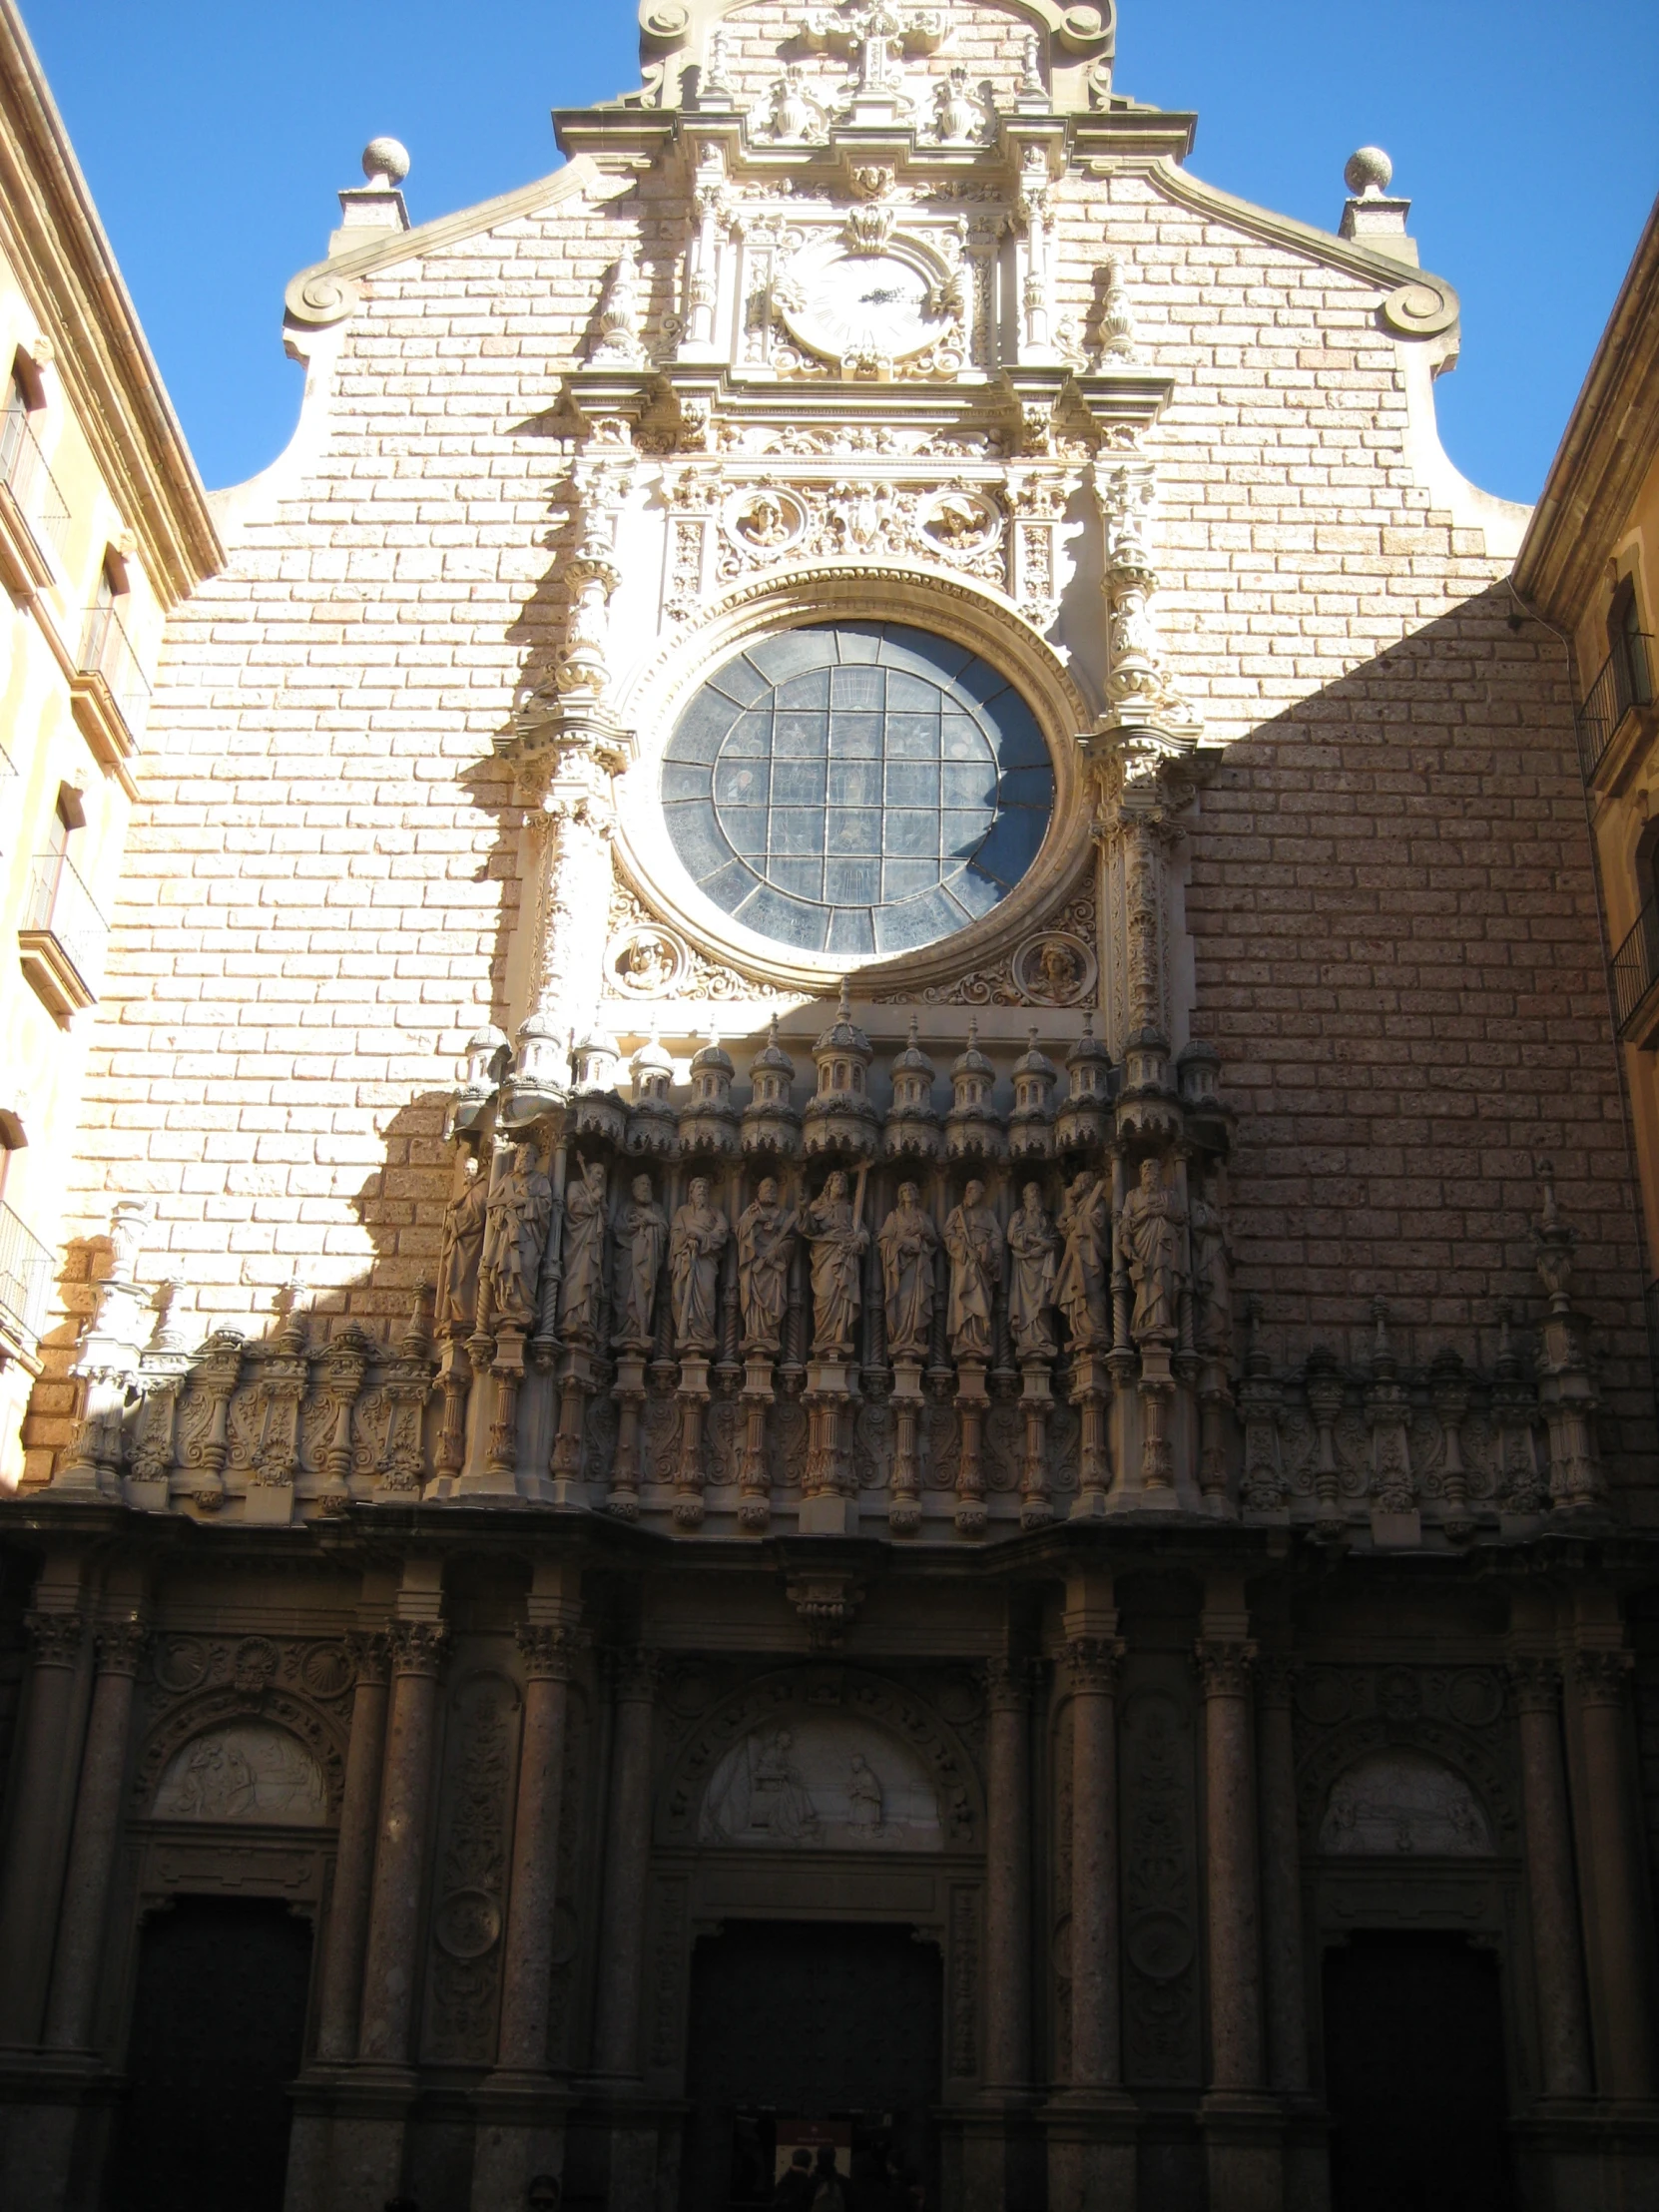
(1157, 1243)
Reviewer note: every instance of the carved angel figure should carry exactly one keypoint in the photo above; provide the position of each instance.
(908, 1242)
(583, 1289)
(515, 1233)
(766, 1235)
(463, 1243)
(1033, 1244)
(839, 1239)
(641, 1236)
(699, 1235)
(975, 1248)
(1151, 1224)
(1080, 1287)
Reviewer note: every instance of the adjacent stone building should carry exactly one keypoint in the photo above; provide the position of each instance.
(104, 527)
(907, 1407)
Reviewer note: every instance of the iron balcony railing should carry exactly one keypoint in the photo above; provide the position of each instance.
(60, 903)
(24, 470)
(25, 1271)
(1624, 682)
(107, 649)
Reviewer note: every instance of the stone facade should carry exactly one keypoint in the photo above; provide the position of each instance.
(1116, 1436)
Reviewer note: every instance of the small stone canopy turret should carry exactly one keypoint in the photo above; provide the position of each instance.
(911, 1131)
(973, 1128)
(1031, 1124)
(541, 1071)
(1083, 1118)
(840, 1117)
(598, 1110)
(709, 1122)
(652, 1124)
(771, 1120)
(487, 1057)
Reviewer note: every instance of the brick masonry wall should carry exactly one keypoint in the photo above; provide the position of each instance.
(1398, 950)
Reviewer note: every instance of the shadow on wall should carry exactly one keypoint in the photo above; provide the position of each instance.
(1398, 958)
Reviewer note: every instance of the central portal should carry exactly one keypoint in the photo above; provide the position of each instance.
(804, 2035)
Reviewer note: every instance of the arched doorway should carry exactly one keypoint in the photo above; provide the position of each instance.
(1415, 2076)
(804, 2033)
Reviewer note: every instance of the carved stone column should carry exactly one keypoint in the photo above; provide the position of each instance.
(1609, 1857)
(1557, 1958)
(400, 1858)
(1242, 2127)
(43, 1759)
(520, 2132)
(346, 1928)
(1284, 1987)
(627, 1857)
(1096, 2026)
(1008, 1878)
(73, 2001)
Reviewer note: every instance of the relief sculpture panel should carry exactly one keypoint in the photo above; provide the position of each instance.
(1162, 2022)
(247, 1772)
(826, 1784)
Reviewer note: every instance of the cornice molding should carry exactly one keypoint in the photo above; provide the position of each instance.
(1610, 443)
(51, 234)
(326, 292)
(1421, 305)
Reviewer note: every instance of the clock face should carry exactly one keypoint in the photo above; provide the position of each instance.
(868, 304)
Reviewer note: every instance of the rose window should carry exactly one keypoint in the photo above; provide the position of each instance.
(856, 788)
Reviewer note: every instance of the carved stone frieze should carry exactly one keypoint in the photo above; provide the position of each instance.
(468, 1914)
(1453, 1718)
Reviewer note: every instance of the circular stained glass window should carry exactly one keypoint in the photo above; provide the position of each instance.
(856, 788)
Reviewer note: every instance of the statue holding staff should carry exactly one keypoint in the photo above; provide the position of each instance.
(641, 1238)
(1085, 1259)
(583, 1289)
(975, 1247)
(515, 1235)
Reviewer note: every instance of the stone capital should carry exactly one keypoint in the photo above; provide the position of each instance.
(1534, 1682)
(369, 1650)
(1600, 1675)
(57, 1637)
(1093, 1664)
(1009, 1683)
(416, 1646)
(1225, 1667)
(121, 1643)
(1275, 1675)
(551, 1653)
(635, 1670)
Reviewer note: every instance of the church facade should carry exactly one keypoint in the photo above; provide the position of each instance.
(854, 1353)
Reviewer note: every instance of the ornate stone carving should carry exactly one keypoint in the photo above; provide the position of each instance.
(471, 1878)
(57, 1638)
(247, 1771)
(974, 1243)
(833, 1227)
(1402, 1802)
(908, 1242)
(1081, 1285)
(766, 1249)
(699, 1236)
(551, 1653)
(416, 1646)
(517, 1218)
(1160, 1904)
(641, 1239)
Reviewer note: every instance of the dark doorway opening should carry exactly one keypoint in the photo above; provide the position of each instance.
(809, 2035)
(219, 2021)
(1415, 2076)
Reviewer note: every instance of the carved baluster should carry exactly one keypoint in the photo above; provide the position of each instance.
(217, 1378)
(1449, 1389)
(408, 1385)
(1323, 1387)
(342, 1368)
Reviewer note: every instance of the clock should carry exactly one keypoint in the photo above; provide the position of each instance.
(871, 309)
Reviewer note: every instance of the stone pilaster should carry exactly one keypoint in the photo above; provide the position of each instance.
(1610, 1866)
(1242, 2135)
(42, 1763)
(520, 2132)
(346, 1929)
(1552, 1903)
(633, 1677)
(71, 2004)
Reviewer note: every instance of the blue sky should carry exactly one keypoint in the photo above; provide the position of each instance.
(214, 136)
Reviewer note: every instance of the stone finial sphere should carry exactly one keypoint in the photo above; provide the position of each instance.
(1369, 172)
(387, 157)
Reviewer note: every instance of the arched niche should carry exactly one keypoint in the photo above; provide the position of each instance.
(1402, 1803)
(243, 1771)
